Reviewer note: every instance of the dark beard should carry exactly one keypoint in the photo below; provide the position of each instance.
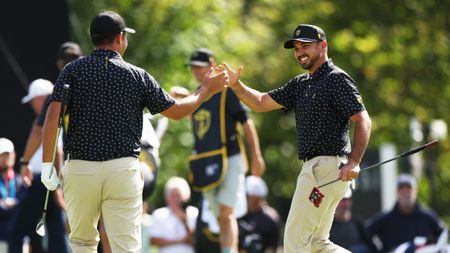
(306, 66)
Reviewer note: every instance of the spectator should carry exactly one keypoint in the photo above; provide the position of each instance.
(406, 221)
(24, 223)
(348, 231)
(218, 149)
(263, 219)
(10, 186)
(173, 225)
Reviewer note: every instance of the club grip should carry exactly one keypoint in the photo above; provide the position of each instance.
(428, 145)
(65, 92)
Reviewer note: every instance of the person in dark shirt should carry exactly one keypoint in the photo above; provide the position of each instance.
(325, 100)
(348, 231)
(406, 221)
(263, 219)
(215, 126)
(106, 99)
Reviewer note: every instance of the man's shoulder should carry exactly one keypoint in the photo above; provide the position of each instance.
(336, 72)
(428, 212)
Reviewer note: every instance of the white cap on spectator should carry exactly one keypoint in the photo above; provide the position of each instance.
(406, 179)
(6, 146)
(255, 186)
(37, 88)
(181, 184)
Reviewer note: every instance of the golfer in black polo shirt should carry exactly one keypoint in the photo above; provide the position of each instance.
(106, 99)
(324, 100)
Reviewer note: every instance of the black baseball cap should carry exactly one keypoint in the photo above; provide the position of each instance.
(202, 57)
(305, 33)
(106, 24)
(68, 52)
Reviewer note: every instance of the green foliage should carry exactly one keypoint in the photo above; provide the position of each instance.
(397, 51)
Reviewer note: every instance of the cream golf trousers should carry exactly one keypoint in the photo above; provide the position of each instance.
(112, 187)
(307, 227)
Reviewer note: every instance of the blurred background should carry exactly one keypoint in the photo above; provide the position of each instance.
(397, 51)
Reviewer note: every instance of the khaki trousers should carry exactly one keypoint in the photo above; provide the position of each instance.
(307, 227)
(112, 187)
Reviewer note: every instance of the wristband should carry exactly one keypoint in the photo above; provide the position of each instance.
(23, 162)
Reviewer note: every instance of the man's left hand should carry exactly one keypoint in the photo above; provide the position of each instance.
(49, 176)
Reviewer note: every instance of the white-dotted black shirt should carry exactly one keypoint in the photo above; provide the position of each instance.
(106, 99)
(323, 104)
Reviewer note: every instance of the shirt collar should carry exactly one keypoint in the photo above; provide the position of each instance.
(323, 69)
(106, 53)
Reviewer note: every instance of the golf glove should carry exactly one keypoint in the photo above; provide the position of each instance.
(49, 177)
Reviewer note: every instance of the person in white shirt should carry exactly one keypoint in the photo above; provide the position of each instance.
(173, 225)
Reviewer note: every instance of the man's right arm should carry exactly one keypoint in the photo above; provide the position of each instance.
(257, 101)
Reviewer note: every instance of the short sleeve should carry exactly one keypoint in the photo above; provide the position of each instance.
(345, 96)
(286, 94)
(235, 108)
(156, 98)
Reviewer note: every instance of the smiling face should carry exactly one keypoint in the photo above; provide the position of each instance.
(310, 55)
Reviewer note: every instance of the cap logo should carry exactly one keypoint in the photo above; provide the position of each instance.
(297, 33)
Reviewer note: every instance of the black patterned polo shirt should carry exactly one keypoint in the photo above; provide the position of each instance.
(323, 104)
(105, 104)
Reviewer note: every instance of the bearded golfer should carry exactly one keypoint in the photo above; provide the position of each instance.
(324, 100)
(102, 173)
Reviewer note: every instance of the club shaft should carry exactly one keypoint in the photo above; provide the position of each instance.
(408, 153)
(55, 146)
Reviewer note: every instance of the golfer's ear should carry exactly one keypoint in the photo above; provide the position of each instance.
(120, 38)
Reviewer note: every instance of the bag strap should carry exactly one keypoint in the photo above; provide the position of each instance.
(223, 133)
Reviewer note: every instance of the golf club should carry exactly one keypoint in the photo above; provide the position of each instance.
(40, 228)
(316, 195)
